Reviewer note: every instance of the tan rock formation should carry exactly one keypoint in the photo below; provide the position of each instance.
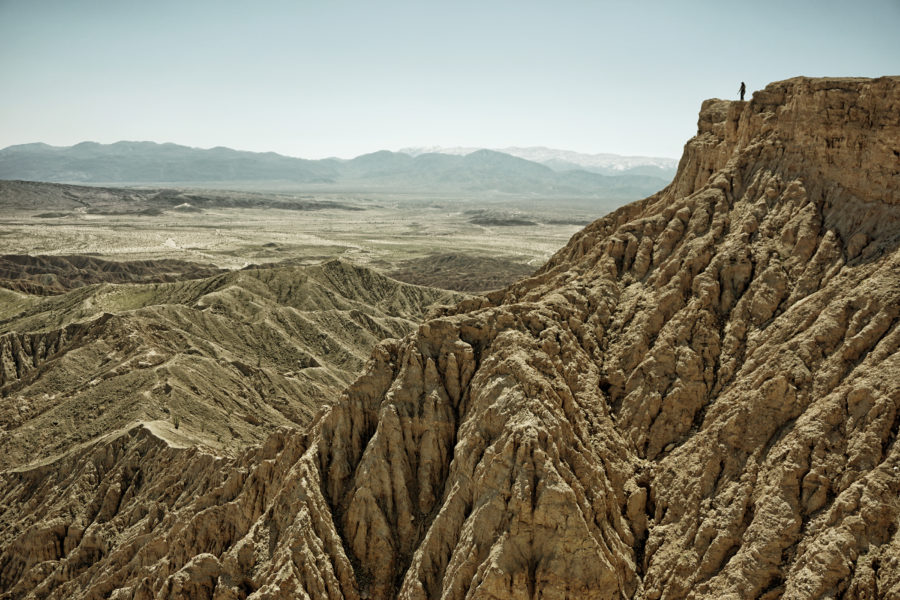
(698, 397)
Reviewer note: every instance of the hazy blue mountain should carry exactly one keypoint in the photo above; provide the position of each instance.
(480, 171)
(376, 165)
(148, 162)
(663, 172)
(567, 160)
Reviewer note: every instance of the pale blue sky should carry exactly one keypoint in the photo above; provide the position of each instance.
(341, 78)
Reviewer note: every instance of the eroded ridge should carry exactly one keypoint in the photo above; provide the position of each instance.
(696, 398)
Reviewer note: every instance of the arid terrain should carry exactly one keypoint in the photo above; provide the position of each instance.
(235, 229)
(56, 274)
(697, 396)
(220, 361)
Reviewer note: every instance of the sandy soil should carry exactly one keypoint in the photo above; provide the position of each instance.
(385, 232)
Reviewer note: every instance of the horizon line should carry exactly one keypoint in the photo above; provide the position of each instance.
(429, 149)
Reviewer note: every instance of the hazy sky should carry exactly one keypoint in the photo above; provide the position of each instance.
(321, 78)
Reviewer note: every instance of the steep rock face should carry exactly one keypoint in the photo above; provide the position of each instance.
(698, 397)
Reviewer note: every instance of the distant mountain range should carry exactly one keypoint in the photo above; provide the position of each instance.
(477, 172)
(567, 160)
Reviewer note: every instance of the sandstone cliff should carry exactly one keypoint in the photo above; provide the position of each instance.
(696, 398)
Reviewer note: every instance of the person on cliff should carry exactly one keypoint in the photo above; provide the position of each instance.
(743, 90)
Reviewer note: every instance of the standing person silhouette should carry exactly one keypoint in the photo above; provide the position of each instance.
(743, 90)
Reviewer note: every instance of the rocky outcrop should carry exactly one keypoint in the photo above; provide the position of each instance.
(696, 398)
